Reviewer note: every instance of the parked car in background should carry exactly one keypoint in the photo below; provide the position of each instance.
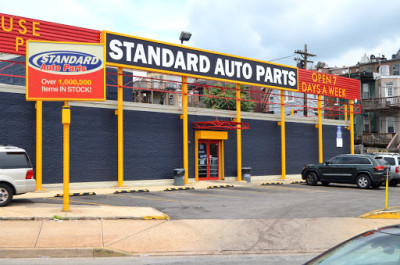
(379, 246)
(393, 159)
(16, 173)
(364, 170)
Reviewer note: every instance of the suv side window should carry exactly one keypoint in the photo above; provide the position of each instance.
(351, 160)
(14, 160)
(364, 161)
(390, 160)
(337, 160)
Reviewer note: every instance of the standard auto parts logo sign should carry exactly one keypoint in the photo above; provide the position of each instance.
(65, 71)
(66, 62)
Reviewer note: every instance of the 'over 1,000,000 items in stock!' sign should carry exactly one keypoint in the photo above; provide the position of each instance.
(65, 71)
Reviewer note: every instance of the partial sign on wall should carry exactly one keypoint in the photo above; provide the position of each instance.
(65, 71)
(311, 82)
(150, 55)
(15, 31)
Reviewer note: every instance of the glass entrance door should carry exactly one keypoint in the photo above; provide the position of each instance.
(208, 160)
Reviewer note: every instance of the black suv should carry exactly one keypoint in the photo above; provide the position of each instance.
(363, 170)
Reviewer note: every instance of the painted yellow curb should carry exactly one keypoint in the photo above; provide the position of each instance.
(156, 217)
(382, 215)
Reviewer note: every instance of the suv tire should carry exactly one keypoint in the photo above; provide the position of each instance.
(6, 194)
(363, 181)
(311, 178)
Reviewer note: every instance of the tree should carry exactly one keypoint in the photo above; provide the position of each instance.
(224, 96)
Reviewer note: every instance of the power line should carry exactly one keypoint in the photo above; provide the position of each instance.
(281, 58)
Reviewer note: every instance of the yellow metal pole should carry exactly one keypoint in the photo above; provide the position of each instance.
(185, 130)
(283, 136)
(39, 145)
(387, 189)
(238, 134)
(345, 113)
(66, 121)
(120, 129)
(351, 128)
(320, 144)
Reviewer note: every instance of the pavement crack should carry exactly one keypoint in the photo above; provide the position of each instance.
(40, 231)
(137, 233)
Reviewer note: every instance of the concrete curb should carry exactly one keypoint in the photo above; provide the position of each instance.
(379, 214)
(102, 252)
(271, 183)
(175, 189)
(130, 191)
(10, 253)
(77, 194)
(220, 186)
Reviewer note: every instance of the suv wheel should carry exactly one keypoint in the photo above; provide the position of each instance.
(311, 178)
(6, 194)
(363, 181)
(325, 183)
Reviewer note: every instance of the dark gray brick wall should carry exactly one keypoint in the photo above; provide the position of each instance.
(153, 142)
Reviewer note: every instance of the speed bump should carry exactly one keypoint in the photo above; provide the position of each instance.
(220, 186)
(298, 182)
(77, 194)
(271, 183)
(184, 188)
(129, 191)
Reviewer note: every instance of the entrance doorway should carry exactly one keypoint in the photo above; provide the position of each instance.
(209, 155)
(208, 159)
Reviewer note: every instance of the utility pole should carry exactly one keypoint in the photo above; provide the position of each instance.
(304, 58)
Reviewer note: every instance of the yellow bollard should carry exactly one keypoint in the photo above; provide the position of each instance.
(66, 121)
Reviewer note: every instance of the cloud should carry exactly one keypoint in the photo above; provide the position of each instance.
(271, 29)
(339, 32)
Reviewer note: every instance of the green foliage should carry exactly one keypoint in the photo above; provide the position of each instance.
(227, 96)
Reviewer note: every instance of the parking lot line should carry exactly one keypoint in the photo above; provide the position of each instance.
(152, 199)
(210, 195)
(298, 189)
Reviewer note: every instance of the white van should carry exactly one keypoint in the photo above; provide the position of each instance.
(16, 173)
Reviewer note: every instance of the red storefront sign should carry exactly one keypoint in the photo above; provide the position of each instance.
(65, 71)
(15, 31)
(311, 82)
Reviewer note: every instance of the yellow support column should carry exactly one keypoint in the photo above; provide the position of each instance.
(66, 121)
(351, 128)
(185, 129)
(238, 134)
(345, 113)
(320, 144)
(120, 128)
(39, 145)
(283, 136)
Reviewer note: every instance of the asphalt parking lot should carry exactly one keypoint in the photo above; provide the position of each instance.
(253, 202)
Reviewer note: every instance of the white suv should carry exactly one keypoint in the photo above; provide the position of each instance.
(16, 173)
(394, 160)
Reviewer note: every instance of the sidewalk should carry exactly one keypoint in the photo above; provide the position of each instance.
(34, 230)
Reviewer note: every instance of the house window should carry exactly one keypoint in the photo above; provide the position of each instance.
(365, 123)
(390, 124)
(396, 69)
(365, 91)
(289, 96)
(384, 69)
(389, 89)
(367, 69)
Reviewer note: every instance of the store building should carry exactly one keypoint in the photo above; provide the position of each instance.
(153, 134)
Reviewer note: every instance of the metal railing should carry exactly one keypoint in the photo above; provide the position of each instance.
(382, 139)
(380, 103)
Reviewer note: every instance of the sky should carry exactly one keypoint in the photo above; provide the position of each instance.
(338, 32)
